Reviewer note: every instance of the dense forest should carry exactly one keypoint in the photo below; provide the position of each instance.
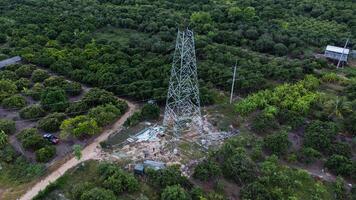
(292, 107)
(66, 36)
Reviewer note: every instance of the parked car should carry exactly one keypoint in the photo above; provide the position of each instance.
(51, 138)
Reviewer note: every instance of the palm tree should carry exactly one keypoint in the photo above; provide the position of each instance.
(338, 107)
(3, 138)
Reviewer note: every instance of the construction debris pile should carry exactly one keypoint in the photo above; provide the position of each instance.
(153, 144)
(150, 143)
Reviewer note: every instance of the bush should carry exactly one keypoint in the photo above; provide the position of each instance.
(150, 111)
(54, 99)
(31, 139)
(340, 165)
(206, 170)
(341, 148)
(78, 189)
(96, 97)
(166, 177)
(133, 119)
(290, 118)
(36, 91)
(3, 139)
(255, 191)
(23, 84)
(105, 114)
(174, 192)
(51, 122)
(77, 108)
(320, 135)
(39, 75)
(45, 154)
(277, 143)
(263, 123)
(8, 75)
(117, 180)
(73, 88)
(98, 194)
(7, 88)
(55, 81)
(350, 124)
(79, 126)
(15, 101)
(308, 155)
(32, 112)
(25, 71)
(8, 126)
(239, 167)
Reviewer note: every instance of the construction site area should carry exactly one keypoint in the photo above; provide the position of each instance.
(150, 142)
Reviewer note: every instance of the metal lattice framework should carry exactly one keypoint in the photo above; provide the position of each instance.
(183, 103)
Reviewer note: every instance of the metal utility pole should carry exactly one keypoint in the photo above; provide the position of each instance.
(342, 54)
(233, 82)
(183, 102)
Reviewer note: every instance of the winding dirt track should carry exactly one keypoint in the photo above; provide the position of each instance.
(89, 152)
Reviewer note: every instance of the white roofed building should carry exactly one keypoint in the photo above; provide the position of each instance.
(336, 53)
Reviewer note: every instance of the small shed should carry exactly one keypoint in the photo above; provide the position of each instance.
(353, 54)
(139, 169)
(9, 61)
(336, 53)
(156, 165)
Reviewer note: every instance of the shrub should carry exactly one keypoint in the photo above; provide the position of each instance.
(350, 124)
(36, 91)
(277, 143)
(25, 71)
(39, 75)
(105, 114)
(98, 194)
(133, 119)
(308, 155)
(331, 78)
(45, 154)
(78, 189)
(7, 88)
(54, 99)
(320, 135)
(264, 123)
(3, 139)
(255, 191)
(9, 75)
(117, 180)
(23, 84)
(32, 112)
(339, 165)
(206, 170)
(341, 148)
(15, 101)
(239, 167)
(174, 192)
(290, 118)
(31, 139)
(166, 177)
(150, 111)
(96, 97)
(79, 126)
(55, 81)
(73, 88)
(51, 122)
(8, 126)
(77, 108)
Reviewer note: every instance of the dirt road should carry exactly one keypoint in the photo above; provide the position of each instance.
(92, 151)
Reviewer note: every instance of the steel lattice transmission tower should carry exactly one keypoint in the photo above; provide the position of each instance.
(183, 103)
